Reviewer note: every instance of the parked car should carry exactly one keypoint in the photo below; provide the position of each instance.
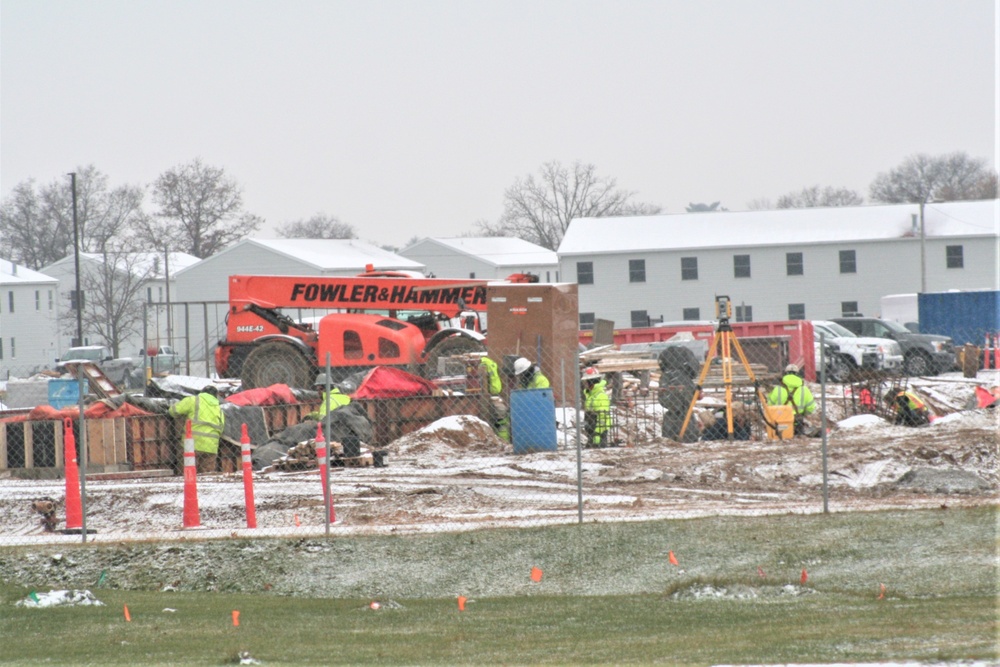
(923, 354)
(856, 352)
(118, 370)
(162, 359)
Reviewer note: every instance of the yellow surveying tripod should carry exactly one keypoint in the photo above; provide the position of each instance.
(723, 342)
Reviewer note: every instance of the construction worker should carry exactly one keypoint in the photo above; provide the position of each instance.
(528, 375)
(791, 390)
(337, 398)
(207, 423)
(489, 374)
(596, 408)
(908, 409)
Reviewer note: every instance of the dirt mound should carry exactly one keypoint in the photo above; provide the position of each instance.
(450, 435)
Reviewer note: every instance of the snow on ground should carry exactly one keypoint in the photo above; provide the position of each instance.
(455, 474)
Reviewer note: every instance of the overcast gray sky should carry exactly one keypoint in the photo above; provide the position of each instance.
(411, 118)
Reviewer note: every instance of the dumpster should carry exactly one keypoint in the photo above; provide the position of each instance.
(533, 420)
(64, 392)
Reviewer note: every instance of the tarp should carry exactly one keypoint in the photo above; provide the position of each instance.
(985, 397)
(391, 382)
(276, 394)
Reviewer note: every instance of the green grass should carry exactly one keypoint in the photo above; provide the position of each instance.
(527, 630)
(940, 569)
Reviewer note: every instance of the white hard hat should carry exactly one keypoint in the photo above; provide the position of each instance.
(591, 373)
(792, 368)
(521, 365)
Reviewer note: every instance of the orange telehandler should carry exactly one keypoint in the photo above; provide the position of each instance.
(374, 319)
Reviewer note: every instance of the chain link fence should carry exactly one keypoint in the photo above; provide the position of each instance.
(606, 434)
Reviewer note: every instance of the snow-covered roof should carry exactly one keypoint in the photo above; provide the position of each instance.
(334, 254)
(499, 250)
(779, 227)
(141, 262)
(14, 274)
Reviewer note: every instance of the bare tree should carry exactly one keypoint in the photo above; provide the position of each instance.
(704, 208)
(112, 308)
(540, 210)
(921, 178)
(320, 226)
(200, 210)
(761, 204)
(36, 225)
(814, 196)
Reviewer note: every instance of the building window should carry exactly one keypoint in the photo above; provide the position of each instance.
(637, 270)
(793, 264)
(50, 299)
(640, 318)
(954, 256)
(13, 348)
(586, 321)
(689, 268)
(848, 308)
(38, 299)
(796, 311)
(10, 305)
(741, 266)
(692, 314)
(585, 273)
(149, 295)
(848, 262)
(1, 348)
(744, 313)
(472, 274)
(547, 278)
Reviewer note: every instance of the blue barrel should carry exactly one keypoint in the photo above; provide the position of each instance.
(64, 392)
(533, 420)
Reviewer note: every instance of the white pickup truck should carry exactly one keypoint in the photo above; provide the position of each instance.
(856, 352)
(162, 359)
(118, 371)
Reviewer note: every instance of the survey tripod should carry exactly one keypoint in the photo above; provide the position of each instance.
(723, 343)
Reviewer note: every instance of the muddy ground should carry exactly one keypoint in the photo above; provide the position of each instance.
(455, 475)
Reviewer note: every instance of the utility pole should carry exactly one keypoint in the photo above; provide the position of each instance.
(78, 295)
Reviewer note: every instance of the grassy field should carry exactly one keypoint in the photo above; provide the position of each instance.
(939, 604)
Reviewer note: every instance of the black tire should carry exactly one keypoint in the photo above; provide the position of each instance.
(277, 363)
(918, 363)
(841, 369)
(457, 344)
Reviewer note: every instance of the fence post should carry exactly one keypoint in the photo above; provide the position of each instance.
(822, 408)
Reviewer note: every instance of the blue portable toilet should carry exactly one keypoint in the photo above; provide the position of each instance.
(533, 420)
(64, 392)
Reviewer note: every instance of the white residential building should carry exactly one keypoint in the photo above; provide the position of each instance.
(149, 267)
(812, 263)
(28, 320)
(490, 258)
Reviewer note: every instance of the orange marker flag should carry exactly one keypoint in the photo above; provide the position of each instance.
(760, 572)
(461, 603)
(673, 558)
(297, 522)
(536, 574)
(236, 619)
(128, 616)
(881, 591)
(804, 577)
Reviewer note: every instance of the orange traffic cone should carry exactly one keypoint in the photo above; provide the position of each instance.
(74, 507)
(248, 479)
(324, 469)
(192, 518)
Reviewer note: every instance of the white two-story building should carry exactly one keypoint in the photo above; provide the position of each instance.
(810, 263)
